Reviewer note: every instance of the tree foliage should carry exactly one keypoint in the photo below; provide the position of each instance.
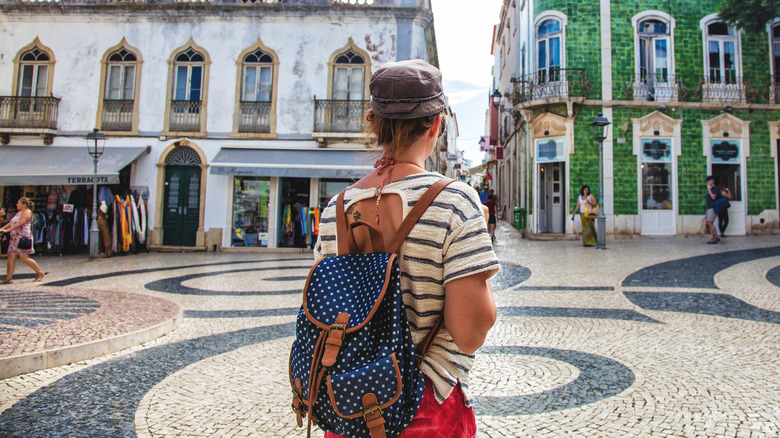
(749, 15)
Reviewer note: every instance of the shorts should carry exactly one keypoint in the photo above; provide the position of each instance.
(710, 216)
(492, 219)
(452, 419)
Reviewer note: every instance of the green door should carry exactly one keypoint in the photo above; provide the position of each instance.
(182, 205)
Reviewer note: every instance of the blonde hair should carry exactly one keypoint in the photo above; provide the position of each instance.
(27, 202)
(395, 135)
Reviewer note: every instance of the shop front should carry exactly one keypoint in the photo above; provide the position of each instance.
(59, 181)
(278, 195)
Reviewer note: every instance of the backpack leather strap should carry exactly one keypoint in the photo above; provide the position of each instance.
(421, 349)
(417, 211)
(372, 413)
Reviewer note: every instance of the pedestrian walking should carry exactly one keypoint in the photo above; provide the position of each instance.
(406, 118)
(19, 229)
(492, 218)
(588, 209)
(483, 195)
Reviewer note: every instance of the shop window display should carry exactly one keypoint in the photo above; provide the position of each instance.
(330, 188)
(295, 230)
(251, 205)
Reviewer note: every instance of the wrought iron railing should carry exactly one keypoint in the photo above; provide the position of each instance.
(340, 115)
(552, 83)
(28, 112)
(185, 116)
(254, 117)
(655, 88)
(117, 115)
(726, 90)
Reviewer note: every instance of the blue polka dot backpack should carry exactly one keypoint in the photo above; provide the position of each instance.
(354, 369)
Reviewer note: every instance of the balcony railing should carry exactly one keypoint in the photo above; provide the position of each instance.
(117, 115)
(726, 90)
(655, 88)
(17, 112)
(185, 116)
(552, 83)
(254, 117)
(347, 116)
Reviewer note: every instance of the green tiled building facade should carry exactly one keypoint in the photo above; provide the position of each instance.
(686, 95)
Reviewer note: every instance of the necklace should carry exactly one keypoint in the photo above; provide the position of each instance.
(387, 163)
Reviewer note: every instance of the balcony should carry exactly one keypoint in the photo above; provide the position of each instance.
(340, 116)
(254, 117)
(654, 88)
(552, 84)
(117, 115)
(185, 116)
(729, 89)
(28, 114)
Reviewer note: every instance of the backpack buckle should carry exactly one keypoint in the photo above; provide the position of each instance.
(370, 411)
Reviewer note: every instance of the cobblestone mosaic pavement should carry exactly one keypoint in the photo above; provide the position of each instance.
(652, 337)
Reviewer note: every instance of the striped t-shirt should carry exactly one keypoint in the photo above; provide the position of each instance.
(450, 241)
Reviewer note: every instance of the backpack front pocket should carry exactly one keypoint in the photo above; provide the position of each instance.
(382, 378)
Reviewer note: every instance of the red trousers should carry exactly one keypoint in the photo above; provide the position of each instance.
(451, 419)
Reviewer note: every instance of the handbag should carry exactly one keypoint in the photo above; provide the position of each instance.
(720, 204)
(593, 210)
(24, 243)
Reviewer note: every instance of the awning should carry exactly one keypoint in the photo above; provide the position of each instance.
(300, 163)
(53, 166)
(481, 168)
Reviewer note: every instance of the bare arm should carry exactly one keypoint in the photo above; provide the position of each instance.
(469, 311)
(26, 217)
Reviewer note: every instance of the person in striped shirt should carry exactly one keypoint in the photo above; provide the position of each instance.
(447, 259)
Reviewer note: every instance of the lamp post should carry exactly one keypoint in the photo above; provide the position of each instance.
(600, 126)
(495, 98)
(96, 143)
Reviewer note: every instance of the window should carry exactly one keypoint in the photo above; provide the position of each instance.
(349, 71)
(653, 51)
(255, 102)
(722, 53)
(121, 70)
(188, 85)
(548, 43)
(188, 76)
(349, 76)
(256, 85)
(33, 73)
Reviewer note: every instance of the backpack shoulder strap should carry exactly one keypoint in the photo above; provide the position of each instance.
(417, 211)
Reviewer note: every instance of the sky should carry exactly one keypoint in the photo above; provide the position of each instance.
(464, 29)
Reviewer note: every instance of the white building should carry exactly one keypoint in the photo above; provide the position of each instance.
(246, 108)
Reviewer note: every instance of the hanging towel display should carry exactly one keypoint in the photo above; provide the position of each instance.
(142, 214)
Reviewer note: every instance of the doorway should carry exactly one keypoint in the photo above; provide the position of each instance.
(727, 170)
(182, 205)
(552, 214)
(293, 225)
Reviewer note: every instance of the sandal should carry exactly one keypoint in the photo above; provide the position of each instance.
(713, 241)
(39, 277)
(7, 281)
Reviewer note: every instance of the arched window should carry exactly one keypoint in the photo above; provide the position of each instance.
(723, 57)
(121, 70)
(257, 77)
(654, 57)
(256, 106)
(349, 74)
(33, 73)
(548, 44)
(188, 89)
(188, 76)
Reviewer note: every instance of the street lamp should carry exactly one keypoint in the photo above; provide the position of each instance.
(496, 98)
(600, 127)
(96, 143)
